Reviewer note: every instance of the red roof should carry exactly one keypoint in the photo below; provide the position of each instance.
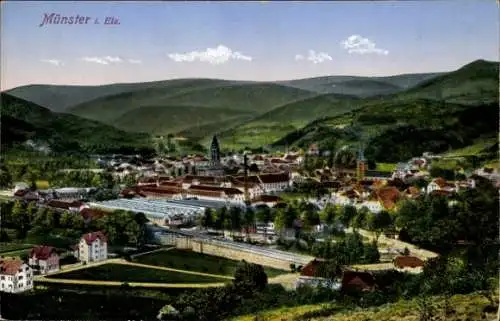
(267, 199)
(354, 280)
(10, 266)
(318, 268)
(20, 193)
(64, 204)
(91, 213)
(91, 237)
(42, 252)
(408, 261)
(202, 188)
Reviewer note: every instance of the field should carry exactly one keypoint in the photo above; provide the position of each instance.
(126, 273)
(197, 262)
(475, 149)
(386, 167)
(467, 307)
(14, 249)
(83, 303)
(42, 184)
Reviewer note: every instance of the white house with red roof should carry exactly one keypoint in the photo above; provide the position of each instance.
(44, 259)
(92, 247)
(15, 276)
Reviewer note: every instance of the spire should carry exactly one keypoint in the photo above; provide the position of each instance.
(215, 151)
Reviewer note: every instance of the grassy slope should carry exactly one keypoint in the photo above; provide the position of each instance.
(468, 307)
(126, 273)
(172, 119)
(197, 262)
(274, 124)
(23, 120)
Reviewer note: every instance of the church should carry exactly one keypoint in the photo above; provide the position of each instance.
(215, 167)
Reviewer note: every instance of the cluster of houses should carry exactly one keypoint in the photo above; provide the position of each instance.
(316, 273)
(17, 276)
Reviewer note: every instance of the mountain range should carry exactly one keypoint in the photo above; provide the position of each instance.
(255, 114)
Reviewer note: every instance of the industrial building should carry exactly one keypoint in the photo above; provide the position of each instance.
(162, 212)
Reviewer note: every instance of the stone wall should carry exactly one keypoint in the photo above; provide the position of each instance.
(187, 243)
(233, 254)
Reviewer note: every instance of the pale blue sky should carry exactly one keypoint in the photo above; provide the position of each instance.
(392, 38)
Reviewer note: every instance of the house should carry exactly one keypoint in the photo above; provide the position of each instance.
(357, 281)
(439, 184)
(61, 205)
(92, 247)
(15, 275)
(407, 263)
(89, 214)
(44, 259)
(319, 273)
(313, 150)
(269, 200)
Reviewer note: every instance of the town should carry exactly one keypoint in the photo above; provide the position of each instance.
(266, 161)
(272, 209)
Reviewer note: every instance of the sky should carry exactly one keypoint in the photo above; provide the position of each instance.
(261, 40)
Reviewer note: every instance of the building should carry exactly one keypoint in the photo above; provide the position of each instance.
(44, 259)
(215, 167)
(357, 281)
(318, 273)
(407, 263)
(15, 276)
(92, 247)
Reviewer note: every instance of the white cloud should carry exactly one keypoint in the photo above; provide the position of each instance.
(54, 62)
(359, 45)
(106, 60)
(215, 56)
(314, 57)
(134, 61)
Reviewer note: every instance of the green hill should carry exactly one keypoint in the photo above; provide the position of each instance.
(474, 82)
(22, 120)
(267, 128)
(360, 86)
(172, 119)
(397, 127)
(60, 98)
(168, 110)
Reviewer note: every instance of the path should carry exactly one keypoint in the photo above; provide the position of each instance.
(174, 270)
(42, 279)
(287, 280)
(392, 243)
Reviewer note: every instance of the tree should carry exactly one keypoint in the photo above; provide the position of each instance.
(66, 220)
(361, 217)
(5, 178)
(371, 254)
(347, 215)
(249, 277)
(19, 219)
(77, 222)
(379, 222)
(207, 220)
(235, 217)
(31, 211)
(328, 214)
(249, 218)
(310, 218)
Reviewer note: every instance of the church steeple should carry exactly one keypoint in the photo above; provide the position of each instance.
(215, 151)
